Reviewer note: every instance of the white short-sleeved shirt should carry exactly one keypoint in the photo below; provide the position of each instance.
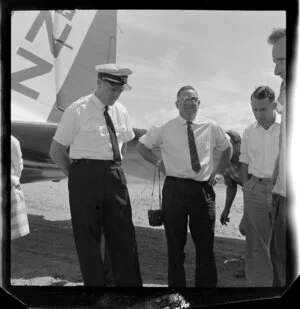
(172, 139)
(16, 159)
(84, 129)
(259, 148)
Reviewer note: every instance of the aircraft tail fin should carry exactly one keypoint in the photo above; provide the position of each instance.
(53, 58)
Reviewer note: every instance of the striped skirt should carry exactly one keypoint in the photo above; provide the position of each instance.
(19, 219)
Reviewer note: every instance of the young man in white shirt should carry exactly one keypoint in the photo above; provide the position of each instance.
(259, 150)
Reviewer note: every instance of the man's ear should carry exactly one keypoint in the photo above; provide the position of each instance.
(177, 104)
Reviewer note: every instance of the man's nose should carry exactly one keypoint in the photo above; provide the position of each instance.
(259, 115)
(277, 70)
(260, 118)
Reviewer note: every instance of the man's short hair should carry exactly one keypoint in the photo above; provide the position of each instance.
(188, 87)
(234, 136)
(276, 35)
(263, 92)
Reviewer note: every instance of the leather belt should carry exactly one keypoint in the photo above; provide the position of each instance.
(186, 180)
(94, 161)
(262, 180)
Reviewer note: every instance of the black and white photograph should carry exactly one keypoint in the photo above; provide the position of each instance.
(150, 157)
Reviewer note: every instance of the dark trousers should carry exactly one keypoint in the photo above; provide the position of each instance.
(194, 202)
(278, 243)
(108, 273)
(99, 199)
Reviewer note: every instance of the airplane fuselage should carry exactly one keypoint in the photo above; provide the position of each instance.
(35, 140)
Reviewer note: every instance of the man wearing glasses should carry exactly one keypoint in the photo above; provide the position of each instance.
(187, 143)
(94, 129)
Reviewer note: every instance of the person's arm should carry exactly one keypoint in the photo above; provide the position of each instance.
(123, 149)
(150, 156)
(231, 190)
(16, 156)
(59, 154)
(16, 162)
(275, 171)
(63, 139)
(244, 173)
(276, 167)
(224, 161)
(244, 157)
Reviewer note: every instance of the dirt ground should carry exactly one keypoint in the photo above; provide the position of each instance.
(47, 257)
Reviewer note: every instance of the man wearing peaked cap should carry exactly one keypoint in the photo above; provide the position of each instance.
(114, 74)
(112, 68)
(95, 129)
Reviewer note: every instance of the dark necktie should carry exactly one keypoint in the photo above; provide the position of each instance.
(193, 150)
(112, 134)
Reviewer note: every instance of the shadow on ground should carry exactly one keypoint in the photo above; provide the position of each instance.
(47, 256)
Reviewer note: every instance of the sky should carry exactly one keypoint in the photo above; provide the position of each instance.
(224, 55)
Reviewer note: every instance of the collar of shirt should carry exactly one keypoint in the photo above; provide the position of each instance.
(97, 102)
(277, 121)
(196, 120)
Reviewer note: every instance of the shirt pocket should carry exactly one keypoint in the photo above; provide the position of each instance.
(120, 129)
(93, 130)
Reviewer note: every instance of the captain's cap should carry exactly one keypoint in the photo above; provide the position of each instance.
(114, 74)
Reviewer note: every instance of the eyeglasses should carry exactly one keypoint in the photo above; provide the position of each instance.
(185, 99)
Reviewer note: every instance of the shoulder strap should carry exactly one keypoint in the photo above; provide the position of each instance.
(159, 189)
